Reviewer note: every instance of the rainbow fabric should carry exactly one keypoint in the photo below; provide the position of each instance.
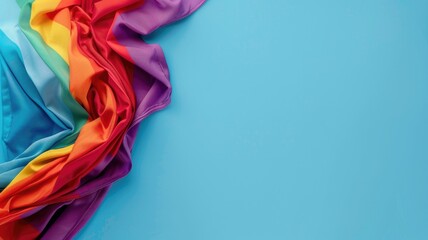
(76, 80)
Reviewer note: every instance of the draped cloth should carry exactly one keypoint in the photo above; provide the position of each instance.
(76, 80)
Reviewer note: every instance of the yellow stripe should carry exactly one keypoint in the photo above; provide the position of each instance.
(38, 163)
(54, 34)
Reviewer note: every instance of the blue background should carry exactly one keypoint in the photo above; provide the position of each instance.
(289, 120)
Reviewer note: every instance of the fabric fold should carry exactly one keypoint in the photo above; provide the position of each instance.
(77, 79)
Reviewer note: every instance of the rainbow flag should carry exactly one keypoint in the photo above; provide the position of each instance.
(76, 81)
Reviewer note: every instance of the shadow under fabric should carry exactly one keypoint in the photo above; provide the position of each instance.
(53, 198)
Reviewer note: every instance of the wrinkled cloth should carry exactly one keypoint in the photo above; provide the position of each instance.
(76, 80)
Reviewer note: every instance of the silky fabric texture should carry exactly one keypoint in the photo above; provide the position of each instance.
(76, 81)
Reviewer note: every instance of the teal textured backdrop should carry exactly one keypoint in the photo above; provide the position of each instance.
(289, 120)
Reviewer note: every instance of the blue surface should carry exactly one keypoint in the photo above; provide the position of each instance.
(289, 120)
